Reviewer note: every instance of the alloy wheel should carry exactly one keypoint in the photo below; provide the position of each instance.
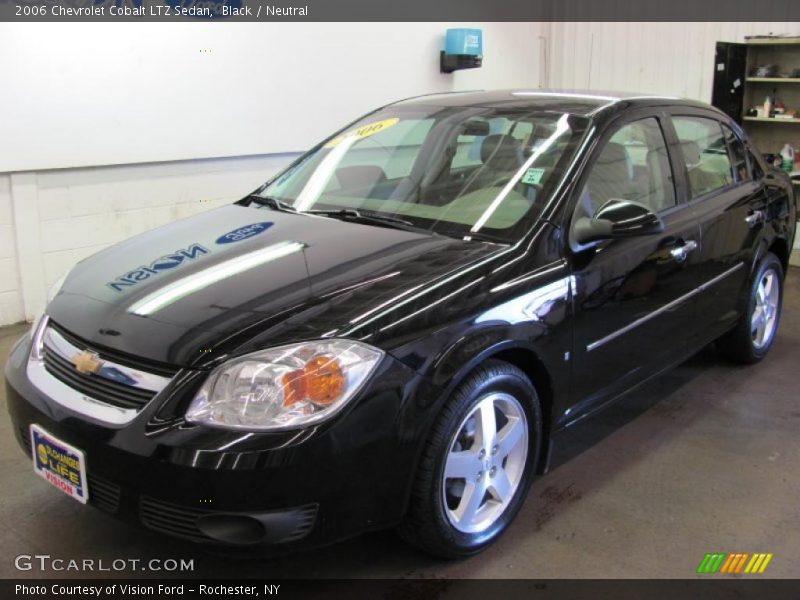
(765, 311)
(485, 463)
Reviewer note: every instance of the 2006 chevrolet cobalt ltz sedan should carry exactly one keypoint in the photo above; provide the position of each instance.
(399, 328)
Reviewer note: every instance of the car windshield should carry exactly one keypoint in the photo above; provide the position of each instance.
(471, 172)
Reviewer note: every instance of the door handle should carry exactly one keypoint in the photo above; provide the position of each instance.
(680, 253)
(754, 218)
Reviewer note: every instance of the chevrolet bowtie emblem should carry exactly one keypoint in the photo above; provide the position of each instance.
(87, 362)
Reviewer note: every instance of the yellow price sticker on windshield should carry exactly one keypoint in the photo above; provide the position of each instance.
(363, 131)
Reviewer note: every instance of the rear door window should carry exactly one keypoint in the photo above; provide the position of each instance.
(705, 154)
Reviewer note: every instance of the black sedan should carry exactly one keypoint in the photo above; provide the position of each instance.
(399, 329)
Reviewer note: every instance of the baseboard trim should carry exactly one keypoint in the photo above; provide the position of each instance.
(794, 259)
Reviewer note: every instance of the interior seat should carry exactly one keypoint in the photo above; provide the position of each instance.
(659, 197)
(701, 178)
(611, 177)
(501, 153)
(360, 177)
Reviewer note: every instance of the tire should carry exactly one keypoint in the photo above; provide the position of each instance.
(747, 343)
(449, 517)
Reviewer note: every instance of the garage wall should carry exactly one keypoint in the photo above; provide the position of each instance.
(189, 90)
(662, 58)
(51, 218)
(10, 302)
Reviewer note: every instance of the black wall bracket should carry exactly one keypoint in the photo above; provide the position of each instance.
(455, 62)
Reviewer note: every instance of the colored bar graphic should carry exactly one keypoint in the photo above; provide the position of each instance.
(720, 562)
(703, 564)
(753, 564)
(728, 563)
(741, 562)
(711, 563)
(734, 563)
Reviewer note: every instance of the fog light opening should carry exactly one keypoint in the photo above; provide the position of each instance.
(232, 529)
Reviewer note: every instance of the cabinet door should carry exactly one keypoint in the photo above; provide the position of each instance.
(730, 63)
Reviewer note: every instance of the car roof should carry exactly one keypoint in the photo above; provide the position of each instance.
(577, 102)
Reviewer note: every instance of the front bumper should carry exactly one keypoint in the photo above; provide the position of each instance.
(282, 490)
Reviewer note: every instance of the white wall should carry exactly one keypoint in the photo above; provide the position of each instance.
(50, 218)
(126, 93)
(674, 59)
(10, 302)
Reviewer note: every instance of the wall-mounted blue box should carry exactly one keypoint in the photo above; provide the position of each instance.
(463, 49)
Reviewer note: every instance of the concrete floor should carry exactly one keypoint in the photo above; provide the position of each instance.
(710, 463)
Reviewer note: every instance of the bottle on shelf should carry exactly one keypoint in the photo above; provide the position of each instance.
(787, 153)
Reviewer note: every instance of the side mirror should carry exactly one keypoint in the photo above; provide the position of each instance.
(617, 219)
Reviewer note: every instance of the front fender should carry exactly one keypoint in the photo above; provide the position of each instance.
(468, 352)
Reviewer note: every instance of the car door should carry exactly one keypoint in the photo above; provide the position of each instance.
(728, 205)
(633, 296)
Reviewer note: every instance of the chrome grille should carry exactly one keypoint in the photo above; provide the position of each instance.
(99, 388)
(149, 366)
(106, 385)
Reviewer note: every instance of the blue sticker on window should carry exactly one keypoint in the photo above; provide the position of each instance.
(243, 233)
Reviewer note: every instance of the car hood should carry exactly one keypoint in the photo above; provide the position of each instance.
(238, 278)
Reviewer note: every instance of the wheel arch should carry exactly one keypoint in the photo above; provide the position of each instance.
(777, 245)
(527, 359)
(780, 248)
(531, 364)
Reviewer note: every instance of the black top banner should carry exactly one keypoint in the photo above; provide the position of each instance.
(395, 10)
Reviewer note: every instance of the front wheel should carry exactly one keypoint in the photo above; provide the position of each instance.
(477, 465)
(752, 338)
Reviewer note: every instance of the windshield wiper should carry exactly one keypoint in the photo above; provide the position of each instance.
(346, 214)
(271, 202)
(351, 214)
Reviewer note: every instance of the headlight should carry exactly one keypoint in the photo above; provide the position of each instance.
(285, 387)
